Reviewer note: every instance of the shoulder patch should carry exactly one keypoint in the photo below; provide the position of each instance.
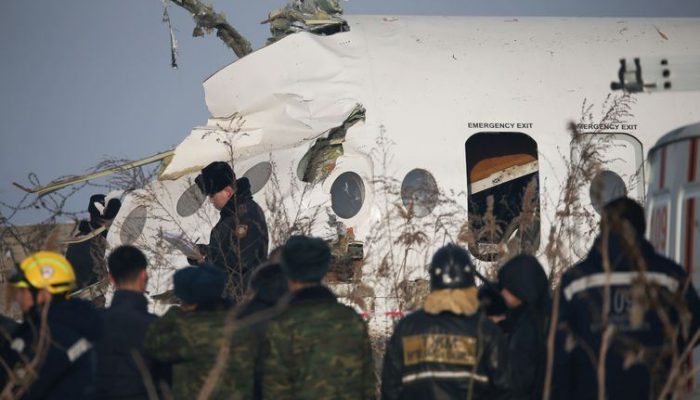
(241, 231)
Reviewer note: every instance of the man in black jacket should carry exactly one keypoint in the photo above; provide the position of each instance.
(87, 256)
(238, 242)
(525, 290)
(653, 311)
(51, 354)
(121, 349)
(448, 349)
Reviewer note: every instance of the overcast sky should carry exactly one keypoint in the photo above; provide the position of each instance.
(85, 80)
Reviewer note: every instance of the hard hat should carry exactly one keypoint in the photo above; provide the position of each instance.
(451, 268)
(45, 270)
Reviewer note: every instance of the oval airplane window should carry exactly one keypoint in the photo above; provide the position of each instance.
(133, 225)
(606, 186)
(347, 195)
(419, 192)
(190, 201)
(258, 175)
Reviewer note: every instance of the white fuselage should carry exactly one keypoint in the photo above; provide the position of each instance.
(428, 84)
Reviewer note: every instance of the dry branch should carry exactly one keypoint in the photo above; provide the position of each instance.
(206, 20)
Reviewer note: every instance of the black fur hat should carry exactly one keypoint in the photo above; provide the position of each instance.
(215, 177)
(306, 259)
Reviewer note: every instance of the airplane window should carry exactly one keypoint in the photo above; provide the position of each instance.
(503, 188)
(606, 186)
(190, 201)
(347, 194)
(133, 225)
(258, 175)
(623, 154)
(419, 192)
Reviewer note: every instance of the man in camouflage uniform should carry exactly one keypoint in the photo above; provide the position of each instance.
(193, 336)
(317, 348)
(238, 242)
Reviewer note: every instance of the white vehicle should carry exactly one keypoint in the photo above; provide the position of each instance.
(673, 201)
(402, 126)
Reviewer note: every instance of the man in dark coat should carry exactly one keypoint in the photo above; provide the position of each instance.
(51, 355)
(653, 311)
(238, 242)
(87, 256)
(317, 348)
(121, 349)
(448, 349)
(525, 290)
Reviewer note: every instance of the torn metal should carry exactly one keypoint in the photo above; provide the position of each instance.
(260, 105)
(321, 17)
(319, 161)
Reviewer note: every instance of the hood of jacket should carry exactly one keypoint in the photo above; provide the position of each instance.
(524, 277)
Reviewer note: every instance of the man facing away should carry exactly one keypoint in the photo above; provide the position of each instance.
(238, 242)
(317, 348)
(525, 290)
(194, 337)
(448, 349)
(87, 257)
(652, 313)
(120, 352)
(52, 352)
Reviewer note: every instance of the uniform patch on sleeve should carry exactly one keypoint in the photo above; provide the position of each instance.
(241, 231)
(435, 348)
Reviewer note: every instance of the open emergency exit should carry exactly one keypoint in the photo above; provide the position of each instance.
(503, 191)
